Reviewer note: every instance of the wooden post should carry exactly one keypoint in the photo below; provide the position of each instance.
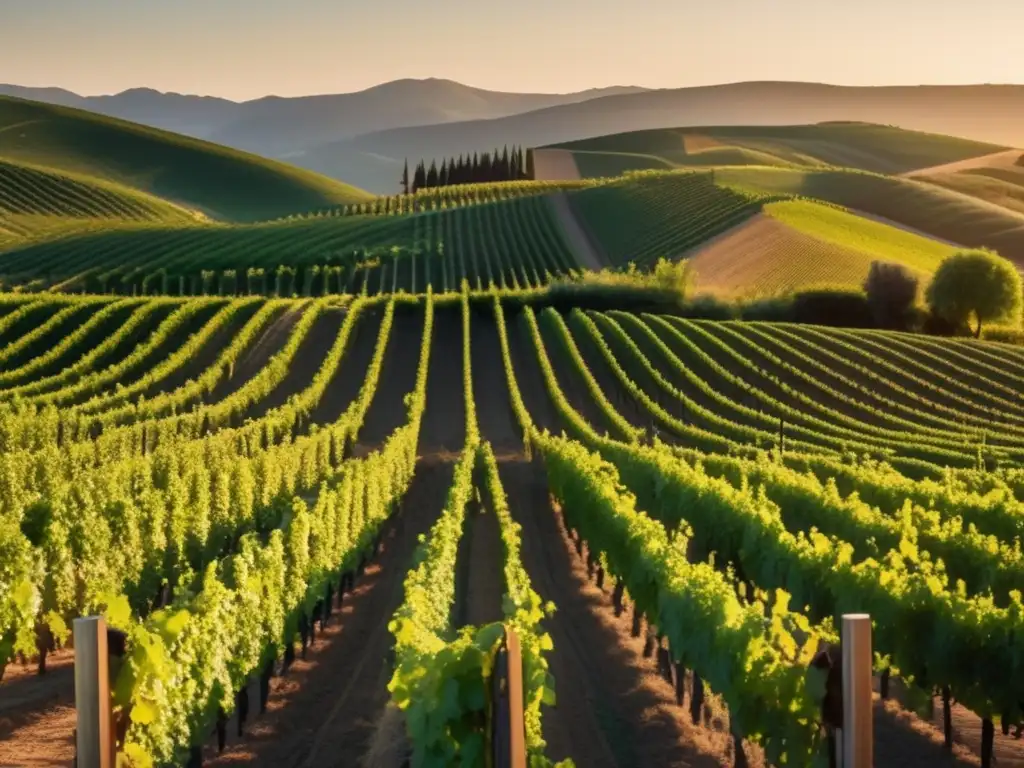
(508, 728)
(94, 742)
(857, 738)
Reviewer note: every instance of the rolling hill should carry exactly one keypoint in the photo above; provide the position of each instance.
(865, 146)
(984, 113)
(282, 127)
(221, 183)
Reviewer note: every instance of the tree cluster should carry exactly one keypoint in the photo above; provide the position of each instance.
(508, 165)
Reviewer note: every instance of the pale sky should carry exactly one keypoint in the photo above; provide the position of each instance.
(243, 49)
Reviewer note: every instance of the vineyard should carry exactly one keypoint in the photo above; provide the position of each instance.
(384, 482)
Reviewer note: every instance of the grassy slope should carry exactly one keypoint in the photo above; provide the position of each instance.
(1001, 186)
(862, 146)
(222, 183)
(925, 207)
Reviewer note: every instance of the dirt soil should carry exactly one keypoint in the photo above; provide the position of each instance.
(612, 710)
(586, 253)
(494, 412)
(529, 377)
(37, 714)
(480, 581)
(324, 712)
(306, 363)
(206, 356)
(554, 165)
(444, 423)
(267, 344)
(397, 379)
(350, 373)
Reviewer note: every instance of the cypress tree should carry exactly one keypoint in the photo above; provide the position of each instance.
(474, 169)
(405, 177)
(442, 176)
(432, 174)
(506, 165)
(419, 180)
(485, 167)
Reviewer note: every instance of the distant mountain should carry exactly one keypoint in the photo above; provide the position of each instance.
(280, 127)
(992, 113)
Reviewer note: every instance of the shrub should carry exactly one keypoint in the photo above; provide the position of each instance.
(778, 309)
(1004, 334)
(1020, 160)
(891, 290)
(840, 307)
(979, 286)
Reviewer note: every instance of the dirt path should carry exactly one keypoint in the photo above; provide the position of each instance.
(37, 714)
(325, 710)
(586, 254)
(554, 165)
(351, 371)
(995, 160)
(612, 709)
(490, 386)
(444, 423)
(397, 378)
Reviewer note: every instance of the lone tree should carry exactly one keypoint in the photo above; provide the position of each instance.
(891, 290)
(977, 284)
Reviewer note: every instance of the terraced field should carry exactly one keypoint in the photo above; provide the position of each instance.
(222, 476)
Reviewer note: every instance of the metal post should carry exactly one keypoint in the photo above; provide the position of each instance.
(857, 739)
(92, 694)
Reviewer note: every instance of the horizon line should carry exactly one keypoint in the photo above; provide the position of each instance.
(479, 88)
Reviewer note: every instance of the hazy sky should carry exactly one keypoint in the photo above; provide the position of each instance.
(248, 48)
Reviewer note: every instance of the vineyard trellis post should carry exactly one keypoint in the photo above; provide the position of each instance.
(857, 736)
(508, 738)
(94, 735)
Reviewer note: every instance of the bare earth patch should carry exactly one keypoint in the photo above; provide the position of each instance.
(694, 143)
(554, 165)
(579, 242)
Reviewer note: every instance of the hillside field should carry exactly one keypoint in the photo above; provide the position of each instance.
(320, 455)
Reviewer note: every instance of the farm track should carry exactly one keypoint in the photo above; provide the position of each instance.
(324, 712)
(206, 356)
(350, 373)
(397, 379)
(444, 423)
(490, 387)
(612, 710)
(555, 165)
(308, 359)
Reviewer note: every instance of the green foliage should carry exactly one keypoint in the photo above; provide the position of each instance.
(891, 291)
(978, 286)
(225, 183)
